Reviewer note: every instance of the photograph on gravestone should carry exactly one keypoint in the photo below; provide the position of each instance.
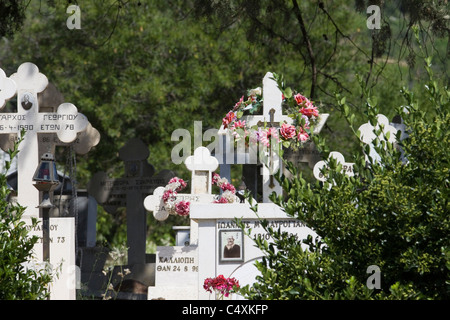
(231, 245)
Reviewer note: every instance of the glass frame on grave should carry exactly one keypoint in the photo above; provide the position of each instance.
(238, 236)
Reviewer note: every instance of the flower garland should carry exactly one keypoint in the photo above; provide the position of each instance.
(169, 198)
(221, 285)
(303, 112)
(181, 207)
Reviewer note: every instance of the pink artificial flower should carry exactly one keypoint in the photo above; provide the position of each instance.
(267, 135)
(239, 124)
(180, 181)
(306, 121)
(237, 105)
(287, 131)
(168, 194)
(182, 208)
(310, 111)
(302, 135)
(221, 200)
(215, 178)
(300, 98)
(230, 117)
(228, 186)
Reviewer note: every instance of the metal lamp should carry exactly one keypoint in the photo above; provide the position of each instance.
(46, 178)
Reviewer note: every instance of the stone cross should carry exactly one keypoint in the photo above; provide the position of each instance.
(202, 164)
(367, 135)
(66, 123)
(347, 167)
(129, 192)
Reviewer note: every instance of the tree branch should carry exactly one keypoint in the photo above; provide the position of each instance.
(298, 15)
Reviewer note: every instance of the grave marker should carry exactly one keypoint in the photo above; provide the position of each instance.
(202, 164)
(66, 123)
(128, 192)
(347, 167)
(216, 224)
(368, 136)
(176, 273)
(273, 117)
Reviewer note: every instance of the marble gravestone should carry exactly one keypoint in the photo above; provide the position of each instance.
(181, 270)
(176, 269)
(66, 123)
(217, 229)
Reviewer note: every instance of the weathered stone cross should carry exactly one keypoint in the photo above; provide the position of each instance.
(27, 82)
(129, 192)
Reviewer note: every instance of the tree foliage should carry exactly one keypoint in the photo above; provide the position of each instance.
(19, 280)
(393, 214)
(145, 68)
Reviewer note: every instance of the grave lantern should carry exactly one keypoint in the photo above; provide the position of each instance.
(46, 178)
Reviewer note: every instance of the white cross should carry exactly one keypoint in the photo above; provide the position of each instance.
(66, 123)
(367, 135)
(202, 164)
(7, 88)
(347, 167)
(273, 116)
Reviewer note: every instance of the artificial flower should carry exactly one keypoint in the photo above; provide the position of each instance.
(287, 131)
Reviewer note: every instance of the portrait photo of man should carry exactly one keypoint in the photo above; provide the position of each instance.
(231, 245)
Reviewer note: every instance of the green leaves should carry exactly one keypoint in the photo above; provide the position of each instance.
(391, 214)
(17, 281)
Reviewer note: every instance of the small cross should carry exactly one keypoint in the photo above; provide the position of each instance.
(347, 167)
(8, 88)
(367, 134)
(202, 164)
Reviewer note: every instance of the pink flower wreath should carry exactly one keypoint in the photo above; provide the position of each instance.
(181, 207)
